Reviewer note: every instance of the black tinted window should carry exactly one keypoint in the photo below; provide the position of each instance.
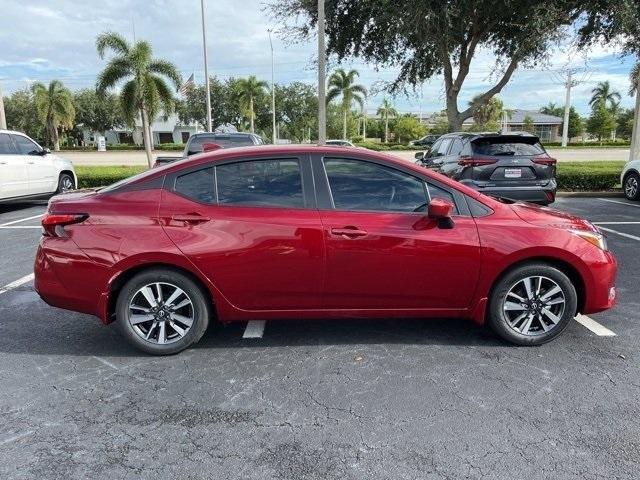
(437, 192)
(197, 185)
(360, 185)
(456, 147)
(268, 183)
(6, 145)
(506, 148)
(25, 146)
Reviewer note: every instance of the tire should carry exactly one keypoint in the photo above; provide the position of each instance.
(65, 183)
(158, 330)
(631, 186)
(546, 314)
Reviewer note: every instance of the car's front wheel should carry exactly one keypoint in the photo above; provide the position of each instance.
(532, 304)
(632, 186)
(162, 311)
(65, 183)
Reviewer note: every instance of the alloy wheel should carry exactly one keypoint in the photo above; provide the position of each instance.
(631, 187)
(534, 305)
(67, 184)
(161, 313)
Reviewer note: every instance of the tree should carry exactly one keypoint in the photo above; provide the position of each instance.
(247, 91)
(98, 113)
(430, 37)
(22, 115)
(624, 123)
(341, 83)
(528, 125)
(601, 122)
(54, 105)
(407, 128)
(603, 93)
(146, 90)
(486, 115)
(386, 111)
(297, 110)
(192, 108)
(553, 109)
(576, 126)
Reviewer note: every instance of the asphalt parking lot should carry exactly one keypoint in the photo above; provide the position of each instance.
(318, 400)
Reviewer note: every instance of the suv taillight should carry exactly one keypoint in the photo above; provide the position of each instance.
(475, 161)
(53, 224)
(544, 160)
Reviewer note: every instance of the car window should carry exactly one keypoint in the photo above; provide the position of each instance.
(6, 145)
(25, 146)
(456, 147)
(498, 147)
(444, 146)
(434, 148)
(198, 185)
(267, 183)
(438, 192)
(360, 185)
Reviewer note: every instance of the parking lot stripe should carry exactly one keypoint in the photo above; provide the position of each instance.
(622, 234)
(594, 326)
(616, 223)
(21, 220)
(17, 283)
(254, 329)
(621, 203)
(19, 227)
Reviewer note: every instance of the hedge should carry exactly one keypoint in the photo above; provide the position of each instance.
(571, 176)
(385, 147)
(126, 147)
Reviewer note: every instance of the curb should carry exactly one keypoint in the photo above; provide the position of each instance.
(589, 194)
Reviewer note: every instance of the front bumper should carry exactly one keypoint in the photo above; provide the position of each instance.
(601, 294)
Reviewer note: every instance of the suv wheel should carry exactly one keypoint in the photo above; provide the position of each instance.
(532, 304)
(632, 186)
(65, 183)
(161, 311)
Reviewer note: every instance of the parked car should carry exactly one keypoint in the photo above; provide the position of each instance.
(514, 166)
(196, 143)
(28, 171)
(309, 232)
(340, 143)
(630, 180)
(425, 141)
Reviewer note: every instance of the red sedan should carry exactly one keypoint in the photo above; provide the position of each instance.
(308, 232)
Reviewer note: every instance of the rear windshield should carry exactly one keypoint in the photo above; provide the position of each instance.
(507, 147)
(225, 141)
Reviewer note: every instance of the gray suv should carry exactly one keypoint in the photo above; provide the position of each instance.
(514, 166)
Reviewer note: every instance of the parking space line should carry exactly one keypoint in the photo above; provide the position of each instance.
(21, 220)
(19, 227)
(622, 234)
(619, 202)
(254, 329)
(17, 283)
(594, 326)
(616, 223)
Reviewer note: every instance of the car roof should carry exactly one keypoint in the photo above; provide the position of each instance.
(14, 132)
(226, 134)
(476, 135)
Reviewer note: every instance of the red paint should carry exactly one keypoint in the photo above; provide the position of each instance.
(273, 263)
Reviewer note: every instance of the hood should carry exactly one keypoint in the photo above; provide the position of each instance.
(545, 216)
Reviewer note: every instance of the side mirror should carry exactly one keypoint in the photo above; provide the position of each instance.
(440, 210)
(419, 155)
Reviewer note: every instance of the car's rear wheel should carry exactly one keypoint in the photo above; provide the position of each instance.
(532, 304)
(162, 311)
(65, 183)
(632, 186)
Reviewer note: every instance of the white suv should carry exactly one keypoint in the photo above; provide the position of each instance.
(29, 171)
(630, 179)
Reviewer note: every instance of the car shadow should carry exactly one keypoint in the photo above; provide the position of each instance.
(23, 205)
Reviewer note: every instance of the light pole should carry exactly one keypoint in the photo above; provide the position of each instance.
(3, 118)
(206, 69)
(322, 106)
(273, 93)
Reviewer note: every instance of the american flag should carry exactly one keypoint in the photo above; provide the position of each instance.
(187, 85)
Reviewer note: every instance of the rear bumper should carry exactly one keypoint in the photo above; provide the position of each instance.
(535, 194)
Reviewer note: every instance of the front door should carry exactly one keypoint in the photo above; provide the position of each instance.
(251, 228)
(42, 174)
(382, 250)
(14, 176)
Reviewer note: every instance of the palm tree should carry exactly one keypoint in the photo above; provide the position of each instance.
(386, 111)
(145, 91)
(54, 105)
(248, 89)
(603, 93)
(341, 83)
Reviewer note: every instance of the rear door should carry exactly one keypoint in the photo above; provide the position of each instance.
(252, 228)
(14, 176)
(511, 160)
(43, 176)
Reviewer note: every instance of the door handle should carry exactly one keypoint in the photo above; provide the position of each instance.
(348, 232)
(3, 163)
(192, 218)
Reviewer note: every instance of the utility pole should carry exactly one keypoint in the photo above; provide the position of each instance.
(322, 57)
(206, 69)
(567, 77)
(634, 152)
(273, 94)
(3, 118)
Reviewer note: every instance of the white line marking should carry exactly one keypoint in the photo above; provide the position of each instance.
(21, 220)
(626, 235)
(621, 203)
(594, 326)
(254, 329)
(17, 283)
(16, 437)
(105, 362)
(616, 223)
(18, 227)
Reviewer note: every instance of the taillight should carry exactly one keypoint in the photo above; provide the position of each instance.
(53, 224)
(475, 161)
(544, 160)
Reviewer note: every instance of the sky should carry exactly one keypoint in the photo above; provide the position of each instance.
(55, 39)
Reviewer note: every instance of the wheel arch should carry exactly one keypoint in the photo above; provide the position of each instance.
(627, 173)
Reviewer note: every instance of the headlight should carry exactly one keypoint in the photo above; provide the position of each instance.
(593, 238)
